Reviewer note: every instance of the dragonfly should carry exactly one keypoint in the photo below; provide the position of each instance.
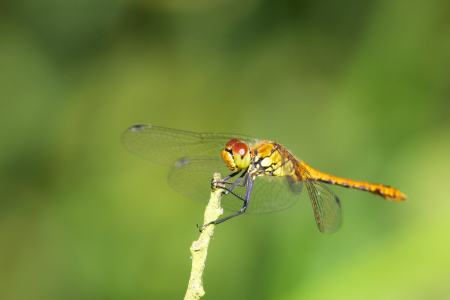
(263, 176)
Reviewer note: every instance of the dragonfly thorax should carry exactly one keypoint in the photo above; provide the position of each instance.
(236, 155)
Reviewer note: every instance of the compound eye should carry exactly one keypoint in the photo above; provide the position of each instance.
(240, 148)
(231, 143)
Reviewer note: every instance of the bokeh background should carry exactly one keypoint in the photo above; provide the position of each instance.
(358, 89)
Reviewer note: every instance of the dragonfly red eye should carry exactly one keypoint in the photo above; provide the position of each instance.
(240, 148)
(231, 143)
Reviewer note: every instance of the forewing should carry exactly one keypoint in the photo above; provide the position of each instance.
(167, 146)
(326, 205)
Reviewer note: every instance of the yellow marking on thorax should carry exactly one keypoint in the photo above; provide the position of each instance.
(274, 158)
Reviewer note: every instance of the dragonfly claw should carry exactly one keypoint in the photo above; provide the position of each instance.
(218, 184)
(199, 228)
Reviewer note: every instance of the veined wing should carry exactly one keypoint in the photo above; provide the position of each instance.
(191, 178)
(326, 205)
(273, 193)
(167, 146)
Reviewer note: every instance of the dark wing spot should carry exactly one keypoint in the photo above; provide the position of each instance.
(139, 127)
(182, 162)
(345, 184)
(337, 200)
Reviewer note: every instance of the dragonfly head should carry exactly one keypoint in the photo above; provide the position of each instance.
(236, 155)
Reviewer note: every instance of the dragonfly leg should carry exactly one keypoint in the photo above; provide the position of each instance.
(243, 209)
(233, 185)
(236, 183)
(230, 189)
(230, 176)
(221, 183)
(245, 181)
(232, 193)
(246, 200)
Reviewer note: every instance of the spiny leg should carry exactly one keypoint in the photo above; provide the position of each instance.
(246, 200)
(236, 183)
(223, 182)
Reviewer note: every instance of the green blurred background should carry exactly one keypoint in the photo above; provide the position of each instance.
(358, 89)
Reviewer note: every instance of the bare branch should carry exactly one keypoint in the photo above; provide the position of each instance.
(199, 248)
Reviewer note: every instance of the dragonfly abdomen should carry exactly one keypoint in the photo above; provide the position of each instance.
(384, 191)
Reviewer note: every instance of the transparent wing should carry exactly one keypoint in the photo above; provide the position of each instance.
(167, 146)
(271, 194)
(192, 179)
(275, 193)
(326, 205)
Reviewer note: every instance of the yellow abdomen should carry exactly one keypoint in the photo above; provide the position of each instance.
(386, 192)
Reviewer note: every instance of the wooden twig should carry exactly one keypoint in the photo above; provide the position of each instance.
(199, 248)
